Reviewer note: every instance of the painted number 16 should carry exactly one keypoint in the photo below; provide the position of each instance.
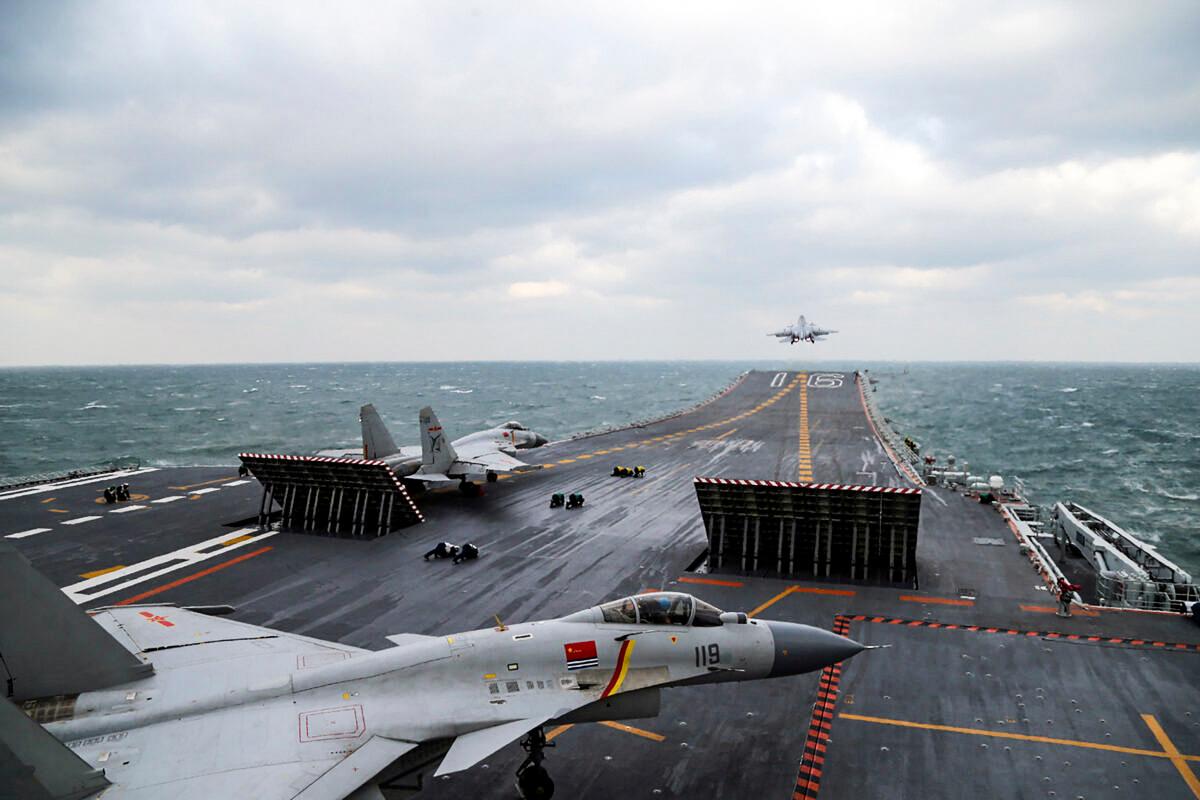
(710, 654)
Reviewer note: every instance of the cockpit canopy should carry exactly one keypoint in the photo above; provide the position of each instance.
(662, 608)
(513, 425)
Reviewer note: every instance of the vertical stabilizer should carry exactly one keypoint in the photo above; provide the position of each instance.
(36, 766)
(377, 442)
(49, 645)
(437, 454)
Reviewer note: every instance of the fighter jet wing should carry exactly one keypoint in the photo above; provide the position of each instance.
(171, 637)
(471, 748)
(495, 461)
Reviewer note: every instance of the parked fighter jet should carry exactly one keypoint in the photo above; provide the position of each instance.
(477, 456)
(166, 702)
(802, 331)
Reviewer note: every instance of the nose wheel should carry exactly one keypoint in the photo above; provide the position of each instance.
(533, 781)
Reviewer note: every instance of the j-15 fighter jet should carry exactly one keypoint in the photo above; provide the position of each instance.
(802, 331)
(482, 455)
(157, 701)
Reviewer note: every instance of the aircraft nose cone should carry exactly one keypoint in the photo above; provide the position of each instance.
(539, 440)
(803, 648)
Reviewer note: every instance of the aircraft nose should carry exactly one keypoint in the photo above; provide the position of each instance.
(803, 648)
(539, 440)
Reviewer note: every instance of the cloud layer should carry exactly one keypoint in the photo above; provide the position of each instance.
(205, 182)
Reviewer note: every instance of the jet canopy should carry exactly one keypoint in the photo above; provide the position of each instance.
(513, 425)
(661, 608)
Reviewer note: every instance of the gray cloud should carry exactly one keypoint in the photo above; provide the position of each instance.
(600, 182)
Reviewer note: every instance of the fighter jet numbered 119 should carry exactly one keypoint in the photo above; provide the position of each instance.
(166, 702)
(802, 331)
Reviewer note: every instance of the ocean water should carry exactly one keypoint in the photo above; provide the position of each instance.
(1122, 440)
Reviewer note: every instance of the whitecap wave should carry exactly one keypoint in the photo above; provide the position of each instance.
(461, 391)
(92, 405)
(1069, 390)
(1191, 496)
(599, 397)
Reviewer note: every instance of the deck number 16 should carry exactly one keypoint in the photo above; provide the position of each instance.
(710, 654)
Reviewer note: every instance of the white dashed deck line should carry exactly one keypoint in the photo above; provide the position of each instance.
(78, 520)
(66, 484)
(30, 532)
(237, 483)
(170, 499)
(127, 509)
(206, 491)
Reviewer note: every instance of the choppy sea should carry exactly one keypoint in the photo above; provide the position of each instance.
(1123, 440)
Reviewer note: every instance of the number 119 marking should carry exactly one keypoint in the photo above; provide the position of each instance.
(710, 654)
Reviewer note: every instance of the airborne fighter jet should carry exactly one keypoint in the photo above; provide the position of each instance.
(482, 455)
(802, 331)
(157, 701)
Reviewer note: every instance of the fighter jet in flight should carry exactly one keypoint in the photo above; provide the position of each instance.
(477, 456)
(157, 701)
(802, 331)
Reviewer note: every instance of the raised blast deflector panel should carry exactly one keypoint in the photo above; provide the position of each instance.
(335, 496)
(811, 530)
(50, 646)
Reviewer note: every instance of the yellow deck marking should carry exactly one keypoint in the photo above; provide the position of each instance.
(58, 511)
(1024, 737)
(771, 602)
(549, 466)
(100, 572)
(1172, 752)
(804, 471)
(556, 732)
(48, 500)
(237, 540)
(617, 726)
(585, 455)
(566, 461)
(206, 483)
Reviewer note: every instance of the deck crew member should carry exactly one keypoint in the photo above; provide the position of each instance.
(443, 550)
(469, 552)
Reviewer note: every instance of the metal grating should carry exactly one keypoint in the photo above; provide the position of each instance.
(813, 530)
(335, 496)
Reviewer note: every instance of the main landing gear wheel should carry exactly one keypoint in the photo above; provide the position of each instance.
(470, 489)
(533, 781)
(492, 477)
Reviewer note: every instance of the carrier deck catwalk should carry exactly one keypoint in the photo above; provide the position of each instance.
(984, 692)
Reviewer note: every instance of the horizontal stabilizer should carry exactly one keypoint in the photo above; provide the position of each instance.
(430, 477)
(471, 748)
(48, 645)
(357, 769)
(36, 766)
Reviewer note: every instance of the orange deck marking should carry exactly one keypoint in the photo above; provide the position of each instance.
(819, 590)
(49, 500)
(189, 578)
(710, 581)
(206, 483)
(559, 731)
(654, 737)
(1172, 752)
(237, 540)
(942, 601)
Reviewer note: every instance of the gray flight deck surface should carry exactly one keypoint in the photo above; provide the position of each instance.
(975, 697)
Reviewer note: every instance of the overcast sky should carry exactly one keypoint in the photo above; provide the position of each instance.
(236, 182)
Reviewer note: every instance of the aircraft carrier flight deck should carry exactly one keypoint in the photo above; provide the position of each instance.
(981, 691)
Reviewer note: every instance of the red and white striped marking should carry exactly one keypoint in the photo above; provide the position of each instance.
(371, 462)
(851, 487)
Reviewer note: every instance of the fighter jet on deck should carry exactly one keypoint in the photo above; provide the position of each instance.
(802, 331)
(477, 456)
(164, 702)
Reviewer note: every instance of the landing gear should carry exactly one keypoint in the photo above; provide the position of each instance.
(492, 477)
(470, 489)
(533, 781)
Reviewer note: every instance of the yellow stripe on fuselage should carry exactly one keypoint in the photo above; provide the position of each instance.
(622, 668)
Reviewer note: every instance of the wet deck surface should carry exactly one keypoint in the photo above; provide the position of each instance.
(981, 687)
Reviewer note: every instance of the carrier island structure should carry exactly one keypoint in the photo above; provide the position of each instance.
(788, 496)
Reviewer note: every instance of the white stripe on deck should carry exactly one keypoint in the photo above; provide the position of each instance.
(78, 520)
(237, 483)
(30, 532)
(126, 509)
(170, 499)
(186, 557)
(206, 491)
(53, 487)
